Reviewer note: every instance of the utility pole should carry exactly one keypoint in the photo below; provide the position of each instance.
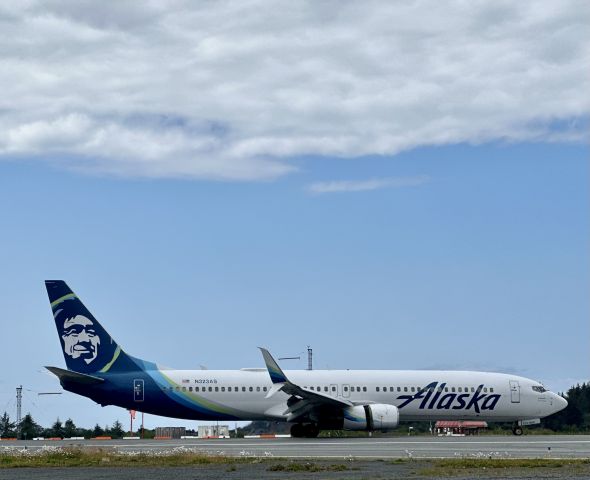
(19, 404)
(309, 358)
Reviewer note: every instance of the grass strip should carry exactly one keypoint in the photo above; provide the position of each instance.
(75, 457)
(465, 466)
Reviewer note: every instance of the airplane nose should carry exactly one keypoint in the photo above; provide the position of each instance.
(560, 403)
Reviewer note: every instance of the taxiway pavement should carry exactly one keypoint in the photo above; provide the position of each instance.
(528, 446)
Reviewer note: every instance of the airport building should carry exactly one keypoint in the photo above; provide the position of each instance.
(170, 432)
(204, 431)
(459, 427)
(213, 431)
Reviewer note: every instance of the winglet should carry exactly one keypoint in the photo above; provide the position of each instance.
(275, 372)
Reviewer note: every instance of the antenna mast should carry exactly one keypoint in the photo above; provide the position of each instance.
(19, 402)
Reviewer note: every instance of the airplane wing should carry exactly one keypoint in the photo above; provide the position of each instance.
(303, 402)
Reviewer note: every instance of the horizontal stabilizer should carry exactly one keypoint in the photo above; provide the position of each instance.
(74, 377)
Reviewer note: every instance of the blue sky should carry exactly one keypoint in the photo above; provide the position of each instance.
(485, 266)
(399, 186)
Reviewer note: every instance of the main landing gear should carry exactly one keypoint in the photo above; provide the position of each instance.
(308, 430)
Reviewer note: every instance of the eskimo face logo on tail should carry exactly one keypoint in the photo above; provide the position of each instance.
(80, 338)
(432, 398)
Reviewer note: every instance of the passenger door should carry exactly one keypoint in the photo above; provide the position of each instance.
(514, 391)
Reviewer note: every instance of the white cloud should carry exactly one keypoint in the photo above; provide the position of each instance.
(234, 90)
(338, 186)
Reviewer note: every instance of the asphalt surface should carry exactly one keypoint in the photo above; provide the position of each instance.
(528, 446)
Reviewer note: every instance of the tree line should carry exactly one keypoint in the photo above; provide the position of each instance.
(30, 429)
(574, 418)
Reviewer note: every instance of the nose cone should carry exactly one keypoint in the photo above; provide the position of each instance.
(560, 403)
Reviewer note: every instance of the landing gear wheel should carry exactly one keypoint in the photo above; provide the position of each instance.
(311, 430)
(517, 430)
(297, 431)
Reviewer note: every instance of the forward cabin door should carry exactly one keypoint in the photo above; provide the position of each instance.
(514, 391)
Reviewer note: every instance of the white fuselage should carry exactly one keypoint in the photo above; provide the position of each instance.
(419, 394)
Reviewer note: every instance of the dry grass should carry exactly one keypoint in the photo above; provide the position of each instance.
(475, 466)
(76, 457)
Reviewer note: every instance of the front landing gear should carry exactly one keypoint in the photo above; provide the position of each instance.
(517, 430)
(309, 430)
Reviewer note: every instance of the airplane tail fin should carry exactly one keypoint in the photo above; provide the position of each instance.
(87, 346)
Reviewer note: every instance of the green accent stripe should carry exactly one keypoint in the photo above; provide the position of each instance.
(200, 401)
(108, 366)
(61, 299)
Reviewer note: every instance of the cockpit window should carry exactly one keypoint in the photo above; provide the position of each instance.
(539, 388)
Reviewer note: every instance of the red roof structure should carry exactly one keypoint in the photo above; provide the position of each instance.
(460, 424)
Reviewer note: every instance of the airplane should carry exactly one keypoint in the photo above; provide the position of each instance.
(310, 400)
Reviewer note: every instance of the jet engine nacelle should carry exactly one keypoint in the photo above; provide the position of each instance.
(378, 416)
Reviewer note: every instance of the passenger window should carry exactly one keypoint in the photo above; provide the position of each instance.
(251, 389)
(413, 389)
(333, 389)
(376, 389)
(178, 389)
(405, 389)
(399, 389)
(243, 389)
(190, 389)
(325, 389)
(485, 389)
(257, 389)
(446, 389)
(385, 389)
(358, 389)
(453, 389)
(264, 389)
(236, 389)
(196, 389)
(229, 389)
(460, 389)
(217, 389)
(473, 389)
(184, 389)
(210, 389)
(223, 389)
(491, 390)
(346, 389)
(364, 389)
(319, 389)
(391, 389)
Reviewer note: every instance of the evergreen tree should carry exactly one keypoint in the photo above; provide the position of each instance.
(117, 429)
(98, 431)
(576, 416)
(7, 427)
(29, 428)
(57, 429)
(70, 429)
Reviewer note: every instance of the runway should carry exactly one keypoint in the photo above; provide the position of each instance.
(529, 446)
